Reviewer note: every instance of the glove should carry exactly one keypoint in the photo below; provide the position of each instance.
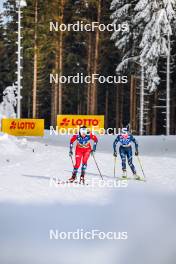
(94, 149)
(115, 153)
(136, 153)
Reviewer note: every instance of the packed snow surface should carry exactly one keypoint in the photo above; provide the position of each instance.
(32, 204)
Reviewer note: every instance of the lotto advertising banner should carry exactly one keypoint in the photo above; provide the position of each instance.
(70, 122)
(23, 127)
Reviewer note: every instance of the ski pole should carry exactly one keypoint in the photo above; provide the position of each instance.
(72, 160)
(141, 167)
(114, 167)
(97, 165)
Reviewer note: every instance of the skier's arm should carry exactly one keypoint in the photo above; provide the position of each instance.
(72, 140)
(115, 145)
(136, 145)
(95, 139)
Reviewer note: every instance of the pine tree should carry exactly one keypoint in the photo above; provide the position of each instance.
(3, 58)
(157, 18)
(126, 41)
(37, 59)
(10, 38)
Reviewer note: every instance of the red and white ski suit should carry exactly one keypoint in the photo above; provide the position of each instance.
(83, 149)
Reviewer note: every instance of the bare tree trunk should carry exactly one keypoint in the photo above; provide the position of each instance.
(121, 124)
(34, 103)
(29, 106)
(106, 108)
(174, 116)
(56, 107)
(89, 61)
(135, 106)
(150, 117)
(95, 68)
(133, 103)
(61, 59)
(119, 106)
(54, 97)
(52, 105)
(154, 118)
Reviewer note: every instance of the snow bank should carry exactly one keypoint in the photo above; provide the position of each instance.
(9, 145)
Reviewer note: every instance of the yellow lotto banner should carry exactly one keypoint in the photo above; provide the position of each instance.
(23, 127)
(70, 122)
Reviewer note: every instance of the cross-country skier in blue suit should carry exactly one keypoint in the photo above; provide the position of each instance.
(125, 150)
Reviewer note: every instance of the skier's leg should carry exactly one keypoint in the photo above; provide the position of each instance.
(86, 156)
(130, 160)
(123, 157)
(78, 157)
(78, 160)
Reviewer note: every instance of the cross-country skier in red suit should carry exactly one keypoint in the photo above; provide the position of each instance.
(83, 151)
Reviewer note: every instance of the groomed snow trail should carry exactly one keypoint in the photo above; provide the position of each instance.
(30, 206)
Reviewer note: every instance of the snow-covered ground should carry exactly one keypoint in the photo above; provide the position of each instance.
(31, 205)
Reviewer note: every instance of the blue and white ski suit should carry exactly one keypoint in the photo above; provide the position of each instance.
(125, 149)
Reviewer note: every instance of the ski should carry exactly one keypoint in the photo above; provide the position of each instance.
(130, 178)
(68, 182)
(71, 183)
(85, 183)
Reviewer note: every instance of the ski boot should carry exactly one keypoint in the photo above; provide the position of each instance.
(124, 174)
(82, 178)
(73, 178)
(136, 177)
